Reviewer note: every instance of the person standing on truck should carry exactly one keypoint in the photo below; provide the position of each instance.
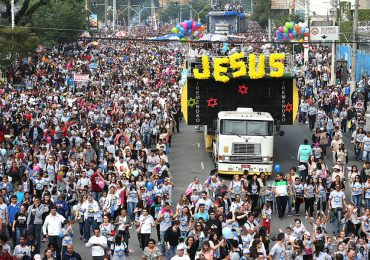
(304, 152)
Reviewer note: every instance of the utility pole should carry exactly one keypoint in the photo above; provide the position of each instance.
(105, 11)
(333, 46)
(114, 14)
(354, 47)
(12, 12)
(129, 15)
(306, 15)
(269, 28)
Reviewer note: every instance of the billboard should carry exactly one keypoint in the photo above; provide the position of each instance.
(203, 99)
(93, 21)
(281, 4)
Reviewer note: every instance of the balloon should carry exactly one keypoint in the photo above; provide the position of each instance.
(194, 27)
(277, 168)
(286, 35)
(201, 28)
(291, 36)
(306, 34)
(307, 30)
(294, 33)
(285, 29)
(199, 24)
(287, 25)
(182, 30)
(184, 25)
(280, 36)
(200, 35)
(189, 32)
(303, 29)
(3, 152)
(281, 29)
(149, 185)
(196, 33)
(36, 168)
(101, 184)
(48, 139)
(75, 208)
(175, 30)
(301, 40)
(178, 26)
(181, 35)
(189, 24)
(226, 232)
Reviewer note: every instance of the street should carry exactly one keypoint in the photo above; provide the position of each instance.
(188, 159)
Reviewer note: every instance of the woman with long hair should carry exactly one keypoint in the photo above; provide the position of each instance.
(206, 251)
(320, 190)
(118, 248)
(356, 192)
(309, 196)
(311, 163)
(191, 247)
(198, 234)
(353, 173)
(358, 139)
(184, 217)
(183, 202)
(254, 190)
(80, 215)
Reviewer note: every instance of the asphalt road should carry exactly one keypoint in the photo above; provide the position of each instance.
(188, 159)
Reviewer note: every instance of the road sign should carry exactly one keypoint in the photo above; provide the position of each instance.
(324, 33)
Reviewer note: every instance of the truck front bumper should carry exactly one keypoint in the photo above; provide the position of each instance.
(237, 168)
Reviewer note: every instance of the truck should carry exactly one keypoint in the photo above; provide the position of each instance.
(243, 141)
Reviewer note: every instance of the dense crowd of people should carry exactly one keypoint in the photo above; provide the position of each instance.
(93, 154)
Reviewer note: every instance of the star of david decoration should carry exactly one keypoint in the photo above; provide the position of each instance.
(243, 89)
(212, 102)
(191, 102)
(288, 107)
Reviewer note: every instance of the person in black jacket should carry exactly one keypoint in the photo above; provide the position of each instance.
(171, 238)
(71, 254)
(254, 188)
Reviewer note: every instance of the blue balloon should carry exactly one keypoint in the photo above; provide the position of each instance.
(303, 29)
(226, 232)
(189, 23)
(199, 24)
(295, 33)
(189, 31)
(178, 26)
(149, 185)
(277, 168)
(280, 37)
(182, 30)
(286, 35)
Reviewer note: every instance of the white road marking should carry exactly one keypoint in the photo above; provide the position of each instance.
(198, 145)
(202, 165)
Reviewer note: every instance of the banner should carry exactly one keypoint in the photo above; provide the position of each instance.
(281, 4)
(93, 21)
(81, 78)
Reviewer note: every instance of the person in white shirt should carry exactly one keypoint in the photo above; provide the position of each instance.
(98, 245)
(180, 254)
(146, 222)
(52, 226)
(91, 212)
(336, 204)
(22, 251)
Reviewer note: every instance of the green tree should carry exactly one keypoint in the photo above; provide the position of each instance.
(68, 16)
(200, 7)
(15, 43)
(173, 11)
(262, 12)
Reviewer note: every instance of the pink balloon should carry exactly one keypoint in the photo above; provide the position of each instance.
(48, 139)
(194, 27)
(36, 168)
(281, 29)
(184, 25)
(291, 36)
(200, 35)
(101, 184)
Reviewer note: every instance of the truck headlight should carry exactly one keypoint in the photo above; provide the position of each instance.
(226, 158)
(266, 159)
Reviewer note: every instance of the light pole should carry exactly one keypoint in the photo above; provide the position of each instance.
(13, 15)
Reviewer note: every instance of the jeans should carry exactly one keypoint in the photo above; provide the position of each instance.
(96, 195)
(35, 230)
(337, 220)
(303, 117)
(343, 125)
(81, 228)
(358, 152)
(304, 173)
(297, 204)
(366, 155)
(290, 204)
(321, 204)
(57, 240)
(18, 233)
(356, 199)
(281, 202)
(89, 225)
(163, 247)
(311, 121)
(172, 252)
(130, 209)
(308, 205)
(146, 140)
(144, 239)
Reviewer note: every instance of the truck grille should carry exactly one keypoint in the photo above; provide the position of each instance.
(248, 149)
(245, 159)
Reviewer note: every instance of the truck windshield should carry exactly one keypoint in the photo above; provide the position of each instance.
(243, 127)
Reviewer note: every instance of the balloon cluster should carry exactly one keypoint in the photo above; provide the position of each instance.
(189, 30)
(292, 31)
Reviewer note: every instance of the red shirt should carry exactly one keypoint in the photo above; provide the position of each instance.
(94, 185)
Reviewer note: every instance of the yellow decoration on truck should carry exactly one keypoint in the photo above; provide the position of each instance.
(253, 73)
(220, 71)
(235, 62)
(275, 64)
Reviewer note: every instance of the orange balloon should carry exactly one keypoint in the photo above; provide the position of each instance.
(201, 29)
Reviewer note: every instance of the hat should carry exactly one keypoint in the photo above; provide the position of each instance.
(336, 167)
(37, 257)
(339, 160)
(181, 247)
